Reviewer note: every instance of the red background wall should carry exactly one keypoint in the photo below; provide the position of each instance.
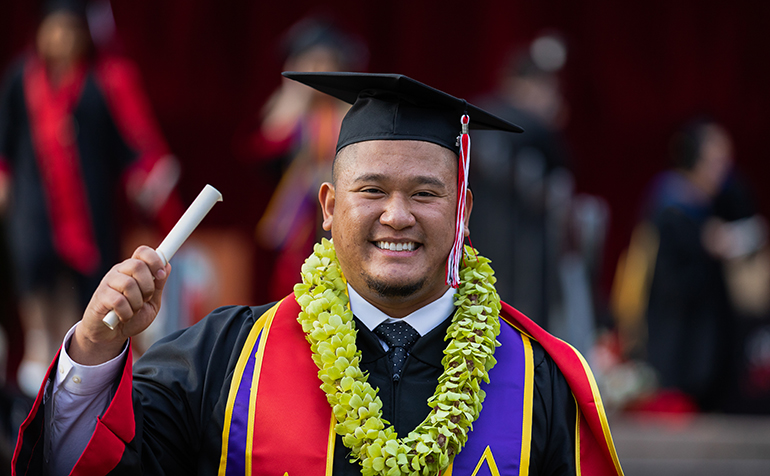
(635, 71)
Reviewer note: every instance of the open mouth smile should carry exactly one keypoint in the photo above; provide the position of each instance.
(387, 245)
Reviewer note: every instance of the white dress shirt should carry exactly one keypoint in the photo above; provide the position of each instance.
(422, 320)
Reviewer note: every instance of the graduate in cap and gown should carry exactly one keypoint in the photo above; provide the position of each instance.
(394, 355)
(75, 128)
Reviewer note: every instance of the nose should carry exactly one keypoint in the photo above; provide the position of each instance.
(397, 213)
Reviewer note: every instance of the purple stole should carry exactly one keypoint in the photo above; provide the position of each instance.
(277, 420)
(500, 441)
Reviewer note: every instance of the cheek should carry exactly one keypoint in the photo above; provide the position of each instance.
(346, 227)
(355, 215)
(440, 226)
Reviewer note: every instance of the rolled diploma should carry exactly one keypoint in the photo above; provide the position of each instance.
(190, 220)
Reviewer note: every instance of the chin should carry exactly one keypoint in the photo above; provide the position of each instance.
(394, 289)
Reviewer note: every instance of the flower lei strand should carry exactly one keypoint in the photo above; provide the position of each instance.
(328, 324)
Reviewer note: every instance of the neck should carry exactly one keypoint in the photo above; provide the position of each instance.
(58, 70)
(400, 307)
(700, 183)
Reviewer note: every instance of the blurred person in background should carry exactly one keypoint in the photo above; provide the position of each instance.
(75, 127)
(544, 240)
(298, 129)
(702, 220)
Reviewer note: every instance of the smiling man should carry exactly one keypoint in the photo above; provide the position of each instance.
(394, 203)
(394, 356)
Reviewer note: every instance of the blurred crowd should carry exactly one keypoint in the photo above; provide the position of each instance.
(685, 327)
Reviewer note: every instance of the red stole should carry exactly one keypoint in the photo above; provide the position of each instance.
(277, 419)
(54, 135)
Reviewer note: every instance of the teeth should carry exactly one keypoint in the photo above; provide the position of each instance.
(386, 245)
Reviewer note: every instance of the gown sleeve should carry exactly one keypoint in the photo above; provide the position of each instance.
(177, 384)
(159, 417)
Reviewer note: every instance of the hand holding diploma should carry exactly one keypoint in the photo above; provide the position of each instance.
(128, 298)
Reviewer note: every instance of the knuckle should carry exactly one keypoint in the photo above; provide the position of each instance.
(141, 250)
(122, 283)
(115, 301)
(147, 291)
(134, 266)
(148, 255)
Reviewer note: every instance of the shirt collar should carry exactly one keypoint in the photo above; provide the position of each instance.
(423, 320)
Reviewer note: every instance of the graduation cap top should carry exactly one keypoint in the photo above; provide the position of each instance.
(396, 107)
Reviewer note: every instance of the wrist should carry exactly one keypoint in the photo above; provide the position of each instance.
(86, 351)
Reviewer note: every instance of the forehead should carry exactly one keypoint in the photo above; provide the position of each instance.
(394, 157)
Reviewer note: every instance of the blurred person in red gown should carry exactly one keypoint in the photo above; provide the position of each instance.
(75, 127)
(298, 128)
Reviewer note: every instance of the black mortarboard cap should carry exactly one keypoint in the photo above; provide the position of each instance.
(396, 107)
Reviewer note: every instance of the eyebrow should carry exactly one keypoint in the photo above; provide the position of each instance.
(420, 179)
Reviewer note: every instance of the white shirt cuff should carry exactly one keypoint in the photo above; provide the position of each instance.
(81, 379)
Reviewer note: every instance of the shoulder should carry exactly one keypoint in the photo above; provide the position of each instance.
(549, 353)
(223, 331)
(229, 316)
(226, 320)
(519, 325)
(119, 80)
(13, 78)
(115, 70)
(196, 362)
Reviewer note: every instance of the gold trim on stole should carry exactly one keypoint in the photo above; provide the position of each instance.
(600, 410)
(235, 382)
(577, 437)
(330, 448)
(255, 386)
(526, 425)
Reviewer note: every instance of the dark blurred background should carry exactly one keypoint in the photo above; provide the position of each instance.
(635, 72)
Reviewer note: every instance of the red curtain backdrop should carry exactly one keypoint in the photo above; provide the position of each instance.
(635, 71)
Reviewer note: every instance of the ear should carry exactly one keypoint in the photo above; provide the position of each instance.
(326, 198)
(468, 209)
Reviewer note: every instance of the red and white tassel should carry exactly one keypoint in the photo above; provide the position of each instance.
(455, 256)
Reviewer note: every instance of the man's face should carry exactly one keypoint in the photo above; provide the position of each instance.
(62, 38)
(392, 217)
(716, 157)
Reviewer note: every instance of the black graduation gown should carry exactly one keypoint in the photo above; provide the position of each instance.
(689, 315)
(181, 386)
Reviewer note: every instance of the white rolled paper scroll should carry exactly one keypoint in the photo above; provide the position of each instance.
(199, 208)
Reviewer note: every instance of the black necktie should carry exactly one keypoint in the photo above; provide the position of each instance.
(400, 337)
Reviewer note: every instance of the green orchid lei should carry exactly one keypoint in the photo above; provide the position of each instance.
(328, 322)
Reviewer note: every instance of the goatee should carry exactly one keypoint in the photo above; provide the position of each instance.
(389, 290)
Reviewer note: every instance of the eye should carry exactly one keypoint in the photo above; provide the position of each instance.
(425, 194)
(371, 190)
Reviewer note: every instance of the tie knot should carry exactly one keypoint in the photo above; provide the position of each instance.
(397, 334)
(400, 337)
